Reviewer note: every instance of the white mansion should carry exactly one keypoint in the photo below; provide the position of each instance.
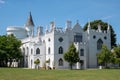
(50, 45)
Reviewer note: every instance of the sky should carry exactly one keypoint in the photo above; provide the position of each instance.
(15, 12)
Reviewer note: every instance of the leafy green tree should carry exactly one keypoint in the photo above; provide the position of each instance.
(9, 49)
(105, 56)
(3, 55)
(72, 55)
(104, 25)
(13, 48)
(116, 51)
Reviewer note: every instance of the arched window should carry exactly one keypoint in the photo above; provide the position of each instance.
(31, 51)
(49, 50)
(48, 39)
(31, 63)
(60, 62)
(99, 44)
(37, 51)
(27, 51)
(81, 52)
(23, 51)
(60, 51)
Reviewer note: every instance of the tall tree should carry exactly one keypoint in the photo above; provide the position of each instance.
(72, 55)
(10, 49)
(3, 55)
(116, 51)
(105, 56)
(104, 25)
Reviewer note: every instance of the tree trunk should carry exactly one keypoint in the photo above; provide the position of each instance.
(71, 66)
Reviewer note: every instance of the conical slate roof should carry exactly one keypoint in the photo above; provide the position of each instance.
(29, 21)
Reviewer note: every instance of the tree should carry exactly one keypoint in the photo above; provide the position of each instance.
(37, 61)
(105, 56)
(104, 25)
(9, 49)
(3, 55)
(116, 51)
(72, 55)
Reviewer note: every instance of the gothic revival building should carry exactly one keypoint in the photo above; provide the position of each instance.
(50, 45)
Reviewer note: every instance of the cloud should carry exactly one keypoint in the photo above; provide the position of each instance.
(2, 1)
(106, 17)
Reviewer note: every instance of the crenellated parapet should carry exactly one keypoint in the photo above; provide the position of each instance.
(99, 30)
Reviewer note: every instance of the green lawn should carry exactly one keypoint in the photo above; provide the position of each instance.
(32, 74)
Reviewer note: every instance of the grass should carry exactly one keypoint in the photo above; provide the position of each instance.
(32, 74)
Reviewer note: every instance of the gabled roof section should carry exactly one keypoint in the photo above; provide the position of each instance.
(29, 21)
(77, 25)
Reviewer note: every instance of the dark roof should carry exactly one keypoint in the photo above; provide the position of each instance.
(29, 21)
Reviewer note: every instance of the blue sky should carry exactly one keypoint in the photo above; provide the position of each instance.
(15, 12)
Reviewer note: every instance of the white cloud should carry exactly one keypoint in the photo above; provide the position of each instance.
(2, 1)
(106, 17)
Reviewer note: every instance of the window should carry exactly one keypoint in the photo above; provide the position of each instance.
(82, 63)
(23, 51)
(49, 50)
(105, 37)
(49, 39)
(60, 39)
(31, 62)
(78, 37)
(94, 37)
(60, 51)
(60, 62)
(43, 41)
(27, 51)
(31, 51)
(99, 44)
(37, 51)
(81, 52)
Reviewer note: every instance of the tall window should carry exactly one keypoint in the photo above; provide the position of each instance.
(78, 37)
(60, 51)
(99, 44)
(37, 51)
(60, 62)
(31, 62)
(81, 52)
(27, 51)
(49, 50)
(23, 51)
(31, 51)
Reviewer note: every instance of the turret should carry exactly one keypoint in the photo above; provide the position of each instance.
(30, 25)
(89, 27)
(47, 29)
(68, 25)
(99, 28)
(52, 26)
(108, 28)
(39, 30)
